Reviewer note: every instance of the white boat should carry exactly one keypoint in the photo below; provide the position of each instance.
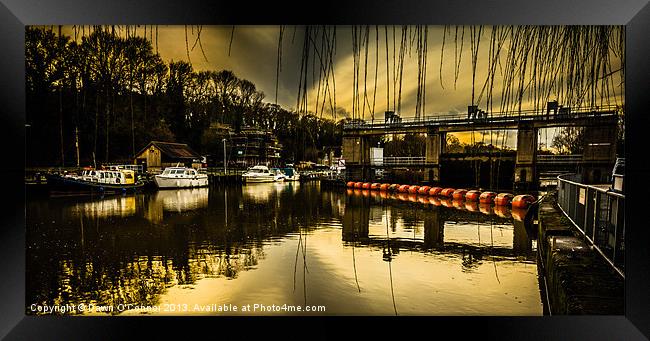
(262, 174)
(181, 177)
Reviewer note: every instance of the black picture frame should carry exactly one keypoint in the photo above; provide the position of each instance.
(15, 14)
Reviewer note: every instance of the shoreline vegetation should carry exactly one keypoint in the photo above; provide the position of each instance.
(111, 96)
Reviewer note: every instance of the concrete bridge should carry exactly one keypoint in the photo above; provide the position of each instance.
(596, 161)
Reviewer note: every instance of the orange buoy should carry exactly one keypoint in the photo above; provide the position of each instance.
(435, 191)
(365, 185)
(384, 187)
(358, 184)
(393, 187)
(472, 195)
(487, 197)
(350, 184)
(447, 192)
(447, 202)
(503, 199)
(375, 186)
(486, 208)
(435, 201)
(522, 201)
(459, 194)
(502, 211)
(471, 206)
(414, 189)
(403, 188)
(518, 213)
(424, 190)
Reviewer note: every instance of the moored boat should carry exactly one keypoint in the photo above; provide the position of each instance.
(95, 181)
(181, 177)
(261, 173)
(290, 174)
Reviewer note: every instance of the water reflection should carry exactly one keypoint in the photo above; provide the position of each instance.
(355, 251)
(121, 206)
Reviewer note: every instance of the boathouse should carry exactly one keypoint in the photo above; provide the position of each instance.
(157, 155)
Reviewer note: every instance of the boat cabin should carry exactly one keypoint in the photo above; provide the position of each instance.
(259, 170)
(109, 177)
(180, 171)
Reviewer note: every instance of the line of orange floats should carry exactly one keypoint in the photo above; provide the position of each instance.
(463, 205)
(500, 199)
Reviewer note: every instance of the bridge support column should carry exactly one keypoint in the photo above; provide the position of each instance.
(435, 146)
(526, 161)
(356, 153)
(599, 153)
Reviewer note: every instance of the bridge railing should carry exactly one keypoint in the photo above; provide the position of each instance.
(398, 160)
(561, 159)
(464, 118)
(598, 213)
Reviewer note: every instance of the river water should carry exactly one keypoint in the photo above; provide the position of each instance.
(271, 249)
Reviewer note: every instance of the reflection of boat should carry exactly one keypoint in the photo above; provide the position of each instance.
(182, 199)
(260, 192)
(112, 207)
(181, 177)
(262, 174)
(98, 181)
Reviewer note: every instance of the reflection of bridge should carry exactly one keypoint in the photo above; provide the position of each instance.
(597, 159)
(356, 228)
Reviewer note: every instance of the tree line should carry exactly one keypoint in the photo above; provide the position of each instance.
(103, 97)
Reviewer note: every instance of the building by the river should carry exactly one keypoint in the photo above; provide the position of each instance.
(253, 146)
(157, 155)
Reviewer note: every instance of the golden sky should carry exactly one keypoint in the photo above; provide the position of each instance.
(254, 56)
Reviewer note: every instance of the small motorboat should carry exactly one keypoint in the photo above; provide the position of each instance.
(290, 174)
(181, 177)
(262, 174)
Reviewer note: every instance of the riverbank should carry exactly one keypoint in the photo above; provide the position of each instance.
(578, 280)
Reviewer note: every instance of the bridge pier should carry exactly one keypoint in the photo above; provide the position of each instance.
(526, 160)
(356, 152)
(435, 145)
(599, 153)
